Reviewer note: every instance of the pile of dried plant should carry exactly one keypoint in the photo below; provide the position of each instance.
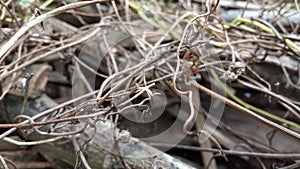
(80, 81)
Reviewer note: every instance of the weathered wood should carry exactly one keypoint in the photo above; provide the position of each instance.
(98, 150)
(36, 84)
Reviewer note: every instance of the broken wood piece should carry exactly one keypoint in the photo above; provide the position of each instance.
(36, 84)
(98, 151)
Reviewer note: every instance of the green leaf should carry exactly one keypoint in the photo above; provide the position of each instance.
(25, 3)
